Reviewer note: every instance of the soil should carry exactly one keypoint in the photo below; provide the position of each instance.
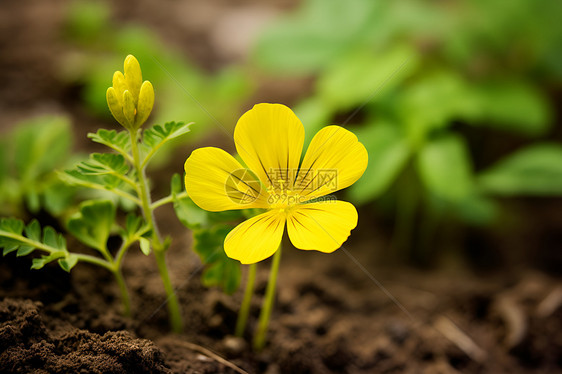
(348, 312)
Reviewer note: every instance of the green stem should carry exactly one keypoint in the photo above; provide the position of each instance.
(157, 244)
(125, 298)
(267, 307)
(176, 322)
(245, 307)
(49, 249)
(167, 199)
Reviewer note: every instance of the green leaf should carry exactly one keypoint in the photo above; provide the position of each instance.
(220, 271)
(92, 225)
(33, 231)
(77, 178)
(477, 210)
(193, 217)
(176, 185)
(317, 34)
(104, 163)
(388, 155)
(40, 146)
(145, 246)
(445, 168)
(24, 250)
(157, 135)
(119, 141)
(363, 75)
(535, 170)
(514, 106)
(12, 238)
(38, 263)
(8, 249)
(68, 262)
(433, 102)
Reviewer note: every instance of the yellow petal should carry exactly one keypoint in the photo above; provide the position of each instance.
(145, 104)
(269, 138)
(215, 181)
(334, 160)
(256, 239)
(115, 107)
(119, 85)
(129, 109)
(133, 76)
(321, 226)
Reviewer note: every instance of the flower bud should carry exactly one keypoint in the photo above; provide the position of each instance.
(130, 100)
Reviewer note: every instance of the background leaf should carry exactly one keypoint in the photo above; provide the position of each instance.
(535, 170)
(388, 155)
(445, 168)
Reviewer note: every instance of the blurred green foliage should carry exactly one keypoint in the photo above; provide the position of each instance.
(412, 77)
(29, 155)
(183, 90)
(209, 232)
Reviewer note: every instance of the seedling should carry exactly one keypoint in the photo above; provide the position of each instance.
(269, 139)
(122, 173)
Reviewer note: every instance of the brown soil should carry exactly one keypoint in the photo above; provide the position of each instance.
(331, 319)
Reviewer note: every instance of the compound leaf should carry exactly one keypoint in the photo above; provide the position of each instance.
(220, 270)
(92, 225)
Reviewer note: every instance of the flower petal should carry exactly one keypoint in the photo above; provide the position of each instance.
(334, 160)
(269, 138)
(321, 226)
(256, 239)
(215, 181)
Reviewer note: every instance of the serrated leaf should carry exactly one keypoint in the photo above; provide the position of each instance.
(77, 178)
(11, 225)
(33, 231)
(50, 237)
(157, 135)
(68, 262)
(220, 270)
(145, 246)
(92, 225)
(24, 250)
(38, 263)
(120, 141)
(9, 249)
(104, 163)
(11, 238)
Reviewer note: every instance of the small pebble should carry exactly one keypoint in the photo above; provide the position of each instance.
(234, 345)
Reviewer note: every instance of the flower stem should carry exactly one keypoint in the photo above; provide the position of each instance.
(176, 322)
(158, 245)
(267, 307)
(245, 307)
(125, 298)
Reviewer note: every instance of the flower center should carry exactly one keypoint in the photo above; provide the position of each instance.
(280, 196)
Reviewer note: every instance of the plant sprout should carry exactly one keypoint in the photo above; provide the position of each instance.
(269, 139)
(121, 173)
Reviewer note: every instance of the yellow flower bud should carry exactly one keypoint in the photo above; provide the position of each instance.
(129, 99)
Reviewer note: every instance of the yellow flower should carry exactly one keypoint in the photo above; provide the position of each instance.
(129, 99)
(269, 138)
